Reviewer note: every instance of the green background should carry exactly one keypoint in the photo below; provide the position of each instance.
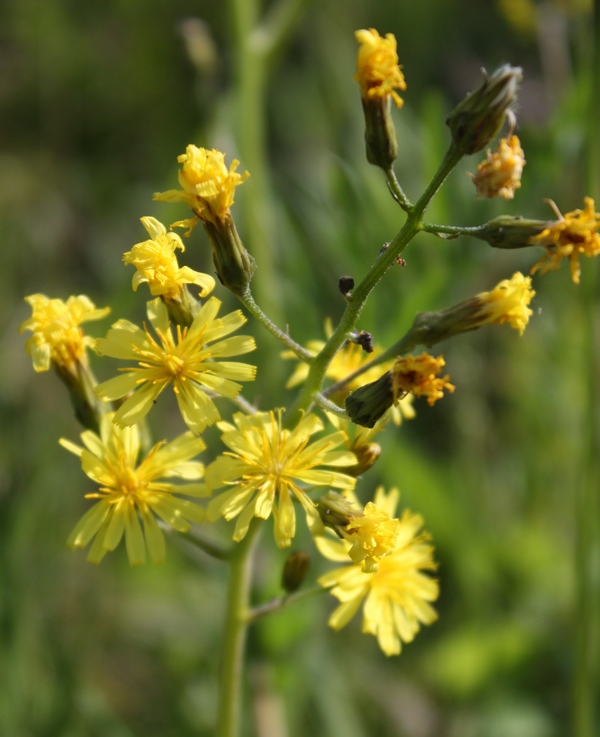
(97, 100)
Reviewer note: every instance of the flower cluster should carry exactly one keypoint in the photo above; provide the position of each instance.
(571, 236)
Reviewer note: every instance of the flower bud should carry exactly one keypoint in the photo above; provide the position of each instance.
(294, 571)
(480, 116)
(509, 232)
(380, 135)
(182, 310)
(369, 403)
(233, 264)
(368, 455)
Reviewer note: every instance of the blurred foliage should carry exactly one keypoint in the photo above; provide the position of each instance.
(97, 100)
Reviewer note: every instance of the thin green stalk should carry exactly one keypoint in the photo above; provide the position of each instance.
(396, 191)
(280, 602)
(452, 230)
(234, 635)
(213, 549)
(587, 605)
(328, 406)
(356, 301)
(248, 301)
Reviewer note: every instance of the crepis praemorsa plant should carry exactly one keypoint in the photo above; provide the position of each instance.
(310, 457)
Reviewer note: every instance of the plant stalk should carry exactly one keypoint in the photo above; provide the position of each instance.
(234, 635)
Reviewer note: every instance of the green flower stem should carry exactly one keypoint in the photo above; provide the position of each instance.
(396, 190)
(248, 301)
(586, 609)
(280, 602)
(210, 548)
(234, 635)
(356, 301)
(454, 231)
(328, 406)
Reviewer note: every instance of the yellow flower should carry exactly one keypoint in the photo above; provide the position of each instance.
(266, 463)
(397, 595)
(573, 234)
(208, 185)
(127, 488)
(417, 375)
(377, 70)
(371, 533)
(507, 302)
(403, 410)
(187, 363)
(57, 336)
(500, 174)
(156, 264)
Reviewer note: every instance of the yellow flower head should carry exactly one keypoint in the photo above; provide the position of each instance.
(268, 463)
(507, 302)
(571, 235)
(157, 266)
(188, 363)
(397, 595)
(377, 70)
(418, 375)
(208, 185)
(371, 533)
(127, 489)
(500, 174)
(57, 336)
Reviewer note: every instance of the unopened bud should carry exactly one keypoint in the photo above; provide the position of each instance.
(370, 402)
(294, 571)
(183, 310)
(509, 232)
(80, 382)
(233, 264)
(336, 511)
(346, 285)
(380, 134)
(480, 116)
(367, 455)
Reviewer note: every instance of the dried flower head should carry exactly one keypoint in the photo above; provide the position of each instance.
(572, 235)
(157, 266)
(500, 174)
(57, 337)
(419, 376)
(377, 70)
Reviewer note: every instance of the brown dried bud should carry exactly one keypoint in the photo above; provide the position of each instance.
(294, 571)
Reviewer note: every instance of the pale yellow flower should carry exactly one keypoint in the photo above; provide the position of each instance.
(127, 489)
(188, 363)
(267, 466)
(377, 70)
(208, 186)
(397, 596)
(507, 302)
(157, 266)
(500, 174)
(572, 235)
(418, 375)
(57, 336)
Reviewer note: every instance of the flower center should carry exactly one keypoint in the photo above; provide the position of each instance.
(173, 364)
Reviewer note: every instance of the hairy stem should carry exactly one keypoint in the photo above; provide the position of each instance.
(356, 301)
(248, 301)
(234, 635)
(396, 190)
